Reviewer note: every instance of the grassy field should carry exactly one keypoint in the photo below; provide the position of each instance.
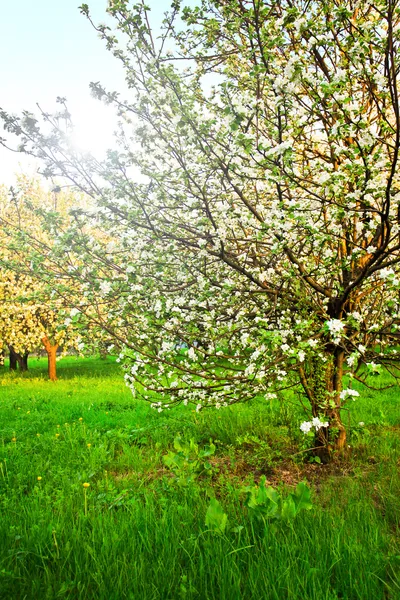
(139, 531)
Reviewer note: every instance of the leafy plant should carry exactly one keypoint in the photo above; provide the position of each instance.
(265, 503)
(259, 450)
(216, 519)
(189, 461)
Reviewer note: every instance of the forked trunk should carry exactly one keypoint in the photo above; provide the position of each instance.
(51, 350)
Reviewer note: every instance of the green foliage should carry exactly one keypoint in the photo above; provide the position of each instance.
(266, 504)
(144, 538)
(261, 452)
(216, 518)
(255, 233)
(189, 461)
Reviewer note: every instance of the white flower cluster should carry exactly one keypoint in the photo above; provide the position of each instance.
(335, 327)
(385, 273)
(105, 288)
(352, 359)
(374, 367)
(301, 355)
(306, 426)
(348, 393)
(356, 316)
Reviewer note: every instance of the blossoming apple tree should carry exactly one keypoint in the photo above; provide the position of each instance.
(31, 315)
(259, 248)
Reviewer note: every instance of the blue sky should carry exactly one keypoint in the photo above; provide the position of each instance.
(49, 49)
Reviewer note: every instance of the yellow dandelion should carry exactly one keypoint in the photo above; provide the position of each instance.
(38, 434)
(57, 435)
(80, 419)
(14, 439)
(39, 479)
(85, 486)
(89, 445)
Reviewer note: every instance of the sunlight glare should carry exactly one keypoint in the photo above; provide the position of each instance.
(94, 126)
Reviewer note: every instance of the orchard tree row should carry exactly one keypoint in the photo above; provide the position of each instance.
(243, 236)
(32, 314)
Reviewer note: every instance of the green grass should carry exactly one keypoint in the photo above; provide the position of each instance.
(144, 535)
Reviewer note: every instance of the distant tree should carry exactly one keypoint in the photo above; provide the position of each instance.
(43, 301)
(30, 314)
(262, 250)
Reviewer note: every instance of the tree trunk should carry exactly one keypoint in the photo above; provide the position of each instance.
(103, 351)
(322, 383)
(18, 359)
(23, 363)
(51, 358)
(13, 360)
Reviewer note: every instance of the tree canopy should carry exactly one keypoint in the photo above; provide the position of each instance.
(259, 247)
(33, 313)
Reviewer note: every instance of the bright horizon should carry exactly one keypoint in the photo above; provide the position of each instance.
(51, 50)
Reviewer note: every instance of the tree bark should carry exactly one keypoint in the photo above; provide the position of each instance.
(13, 360)
(18, 359)
(103, 351)
(51, 350)
(24, 362)
(322, 383)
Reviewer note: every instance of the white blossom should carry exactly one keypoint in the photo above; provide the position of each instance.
(105, 287)
(191, 353)
(348, 393)
(386, 273)
(315, 423)
(306, 426)
(336, 327)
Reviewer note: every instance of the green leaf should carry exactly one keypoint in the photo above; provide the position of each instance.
(289, 511)
(302, 497)
(177, 445)
(216, 518)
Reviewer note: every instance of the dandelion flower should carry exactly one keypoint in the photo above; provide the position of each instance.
(39, 479)
(86, 485)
